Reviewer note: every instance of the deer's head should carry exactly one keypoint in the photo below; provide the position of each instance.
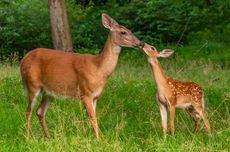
(120, 34)
(152, 52)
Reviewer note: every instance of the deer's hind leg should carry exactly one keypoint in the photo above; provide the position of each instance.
(32, 98)
(41, 112)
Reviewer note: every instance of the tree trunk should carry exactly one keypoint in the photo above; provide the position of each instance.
(59, 25)
(209, 2)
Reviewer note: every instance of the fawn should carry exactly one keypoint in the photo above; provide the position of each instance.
(81, 76)
(172, 93)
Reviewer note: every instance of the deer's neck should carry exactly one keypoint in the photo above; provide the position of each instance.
(108, 58)
(159, 75)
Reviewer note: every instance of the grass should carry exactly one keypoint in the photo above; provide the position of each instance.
(128, 115)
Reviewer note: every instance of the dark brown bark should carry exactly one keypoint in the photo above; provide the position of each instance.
(209, 2)
(59, 25)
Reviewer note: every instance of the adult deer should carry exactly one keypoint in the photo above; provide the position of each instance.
(81, 76)
(172, 93)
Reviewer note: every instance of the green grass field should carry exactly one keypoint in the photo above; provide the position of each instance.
(129, 117)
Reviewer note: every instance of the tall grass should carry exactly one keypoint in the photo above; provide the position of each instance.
(128, 115)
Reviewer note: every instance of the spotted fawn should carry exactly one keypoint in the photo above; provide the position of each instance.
(172, 93)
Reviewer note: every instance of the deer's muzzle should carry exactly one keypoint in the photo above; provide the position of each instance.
(141, 45)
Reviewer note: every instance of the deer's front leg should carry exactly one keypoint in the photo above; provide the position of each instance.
(91, 110)
(163, 111)
(172, 117)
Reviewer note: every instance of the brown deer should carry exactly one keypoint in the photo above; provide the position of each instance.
(81, 76)
(172, 93)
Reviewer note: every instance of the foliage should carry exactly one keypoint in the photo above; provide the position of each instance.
(24, 25)
(160, 21)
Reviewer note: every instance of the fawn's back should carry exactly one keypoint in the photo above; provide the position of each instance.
(185, 93)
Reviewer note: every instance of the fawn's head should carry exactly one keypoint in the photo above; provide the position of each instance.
(152, 52)
(120, 34)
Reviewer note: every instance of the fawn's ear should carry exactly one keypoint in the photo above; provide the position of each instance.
(108, 22)
(165, 53)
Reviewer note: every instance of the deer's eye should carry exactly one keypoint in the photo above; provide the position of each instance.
(123, 33)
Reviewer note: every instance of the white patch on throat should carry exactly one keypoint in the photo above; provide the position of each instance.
(150, 60)
(117, 49)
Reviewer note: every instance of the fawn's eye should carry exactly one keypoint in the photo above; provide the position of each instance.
(153, 48)
(123, 33)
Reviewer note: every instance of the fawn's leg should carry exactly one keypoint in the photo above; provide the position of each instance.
(201, 112)
(206, 122)
(172, 117)
(41, 112)
(163, 112)
(196, 117)
(89, 105)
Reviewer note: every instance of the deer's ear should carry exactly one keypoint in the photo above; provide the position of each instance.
(165, 53)
(108, 22)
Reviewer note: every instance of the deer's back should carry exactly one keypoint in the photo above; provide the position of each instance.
(64, 73)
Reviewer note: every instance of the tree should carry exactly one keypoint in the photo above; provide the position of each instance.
(59, 25)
